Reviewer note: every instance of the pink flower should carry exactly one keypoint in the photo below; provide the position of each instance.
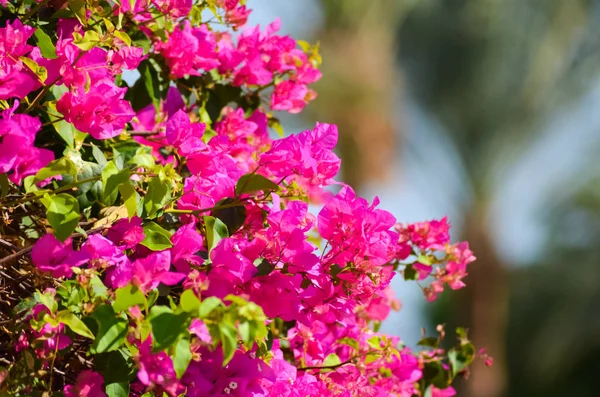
(174, 8)
(187, 241)
(447, 392)
(126, 232)
(88, 384)
(156, 369)
(149, 271)
(50, 255)
(16, 79)
(128, 57)
(426, 235)
(102, 252)
(291, 96)
(198, 328)
(239, 378)
(184, 135)
(235, 14)
(18, 156)
(308, 154)
(188, 50)
(102, 111)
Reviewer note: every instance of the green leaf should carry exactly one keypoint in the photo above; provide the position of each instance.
(182, 357)
(208, 305)
(264, 267)
(78, 7)
(228, 341)
(62, 166)
(128, 296)
(64, 129)
(233, 217)
(98, 155)
(157, 197)
(276, 125)
(251, 183)
(375, 342)
(166, 326)
(215, 231)
(130, 198)
(111, 179)
(73, 322)
(4, 185)
(112, 330)
(424, 259)
(429, 342)
(353, 343)
(151, 81)
(410, 273)
(461, 358)
(45, 43)
(156, 238)
(119, 389)
(142, 159)
(99, 290)
(47, 301)
(331, 360)
(435, 374)
(90, 40)
(124, 37)
(189, 302)
(62, 213)
(40, 71)
(371, 357)
(116, 367)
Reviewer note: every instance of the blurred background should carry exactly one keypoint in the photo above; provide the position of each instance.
(487, 111)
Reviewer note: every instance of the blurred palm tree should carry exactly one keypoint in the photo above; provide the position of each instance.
(361, 80)
(493, 72)
(553, 340)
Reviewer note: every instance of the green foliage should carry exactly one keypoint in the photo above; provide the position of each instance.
(62, 213)
(127, 297)
(215, 231)
(112, 330)
(252, 183)
(155, 237)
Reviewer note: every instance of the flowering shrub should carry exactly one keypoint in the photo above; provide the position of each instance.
(156, 238)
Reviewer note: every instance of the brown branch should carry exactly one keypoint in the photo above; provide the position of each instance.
(16, 255)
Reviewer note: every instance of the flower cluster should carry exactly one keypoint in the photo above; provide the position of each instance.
(173, 250)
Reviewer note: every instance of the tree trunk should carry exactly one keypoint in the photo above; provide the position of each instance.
(487, 301)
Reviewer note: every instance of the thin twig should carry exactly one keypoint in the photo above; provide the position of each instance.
(16, 255)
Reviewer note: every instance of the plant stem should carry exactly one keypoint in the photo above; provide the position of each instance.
(218, 207)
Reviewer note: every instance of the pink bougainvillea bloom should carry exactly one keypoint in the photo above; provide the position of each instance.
(16, 79)
(183, 134)
(187, 241)
(240, 377)
(156, 369)
(102, 112)
(235, 14)
(291, 96)
(308, 154)
(198, 328)
(447, 392)
(50, 255)
(189, 50)
(18, 157)
(126, 57)
(174, 8)
(88, 384)
(127, 232)
(149, 271)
